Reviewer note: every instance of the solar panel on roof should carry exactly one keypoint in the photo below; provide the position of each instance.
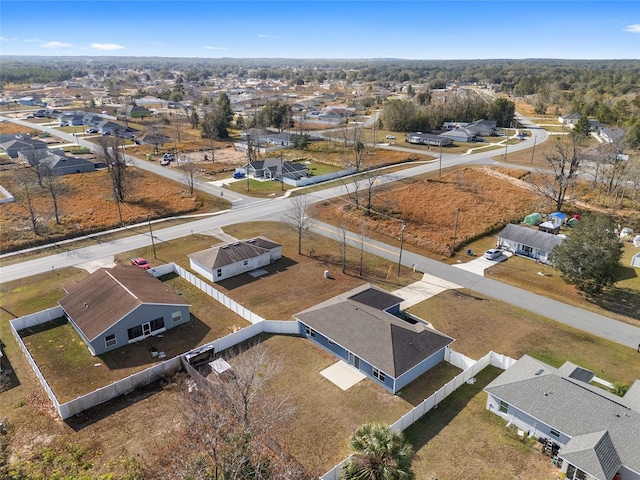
(582, 375)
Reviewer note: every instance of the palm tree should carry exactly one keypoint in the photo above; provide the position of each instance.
(379, 454)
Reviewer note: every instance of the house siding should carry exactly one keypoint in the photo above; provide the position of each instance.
(234, 268)
(424, 366)
(523, 250)
(343, 354)
(525, 421)
(139, 316)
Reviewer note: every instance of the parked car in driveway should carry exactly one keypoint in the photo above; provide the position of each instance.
(140, 262)
(492, 254)
(391, 137)
(91, 130)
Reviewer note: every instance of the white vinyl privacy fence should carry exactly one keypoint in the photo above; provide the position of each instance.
(471, 369)
(151, 374)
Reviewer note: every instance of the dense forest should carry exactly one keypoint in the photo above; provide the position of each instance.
(522, 77)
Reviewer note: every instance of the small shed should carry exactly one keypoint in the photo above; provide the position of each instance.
(558, 218)
(533, 219)
(549, 227)
(635, 260)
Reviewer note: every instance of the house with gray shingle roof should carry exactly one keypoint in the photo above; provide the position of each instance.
(114, 307)
(365, 328)
(527, 242)
(596, 433)
(230, 259)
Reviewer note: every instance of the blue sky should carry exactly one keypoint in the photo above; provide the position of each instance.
(323, 29)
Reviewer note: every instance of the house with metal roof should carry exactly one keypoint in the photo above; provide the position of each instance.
(594, 433)
(527, 242)
(365, 328)
(122, 305)
(233, 258)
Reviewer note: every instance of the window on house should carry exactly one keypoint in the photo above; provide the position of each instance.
(156, 324)
(330, 342)
(219, 272)
(379, 375)
(245, 263)
(504, 406)
(527, 249)
(176, 317)
(310, 332)
(555, 433)
(134, 332)
(110, 340)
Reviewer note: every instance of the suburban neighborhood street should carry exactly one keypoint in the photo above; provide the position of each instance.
(246, 209)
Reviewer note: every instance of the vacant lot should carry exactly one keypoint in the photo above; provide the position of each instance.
(86, 205)
(467, 203)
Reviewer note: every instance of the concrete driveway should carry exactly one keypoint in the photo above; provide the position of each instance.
(426, 288)
(480, 264)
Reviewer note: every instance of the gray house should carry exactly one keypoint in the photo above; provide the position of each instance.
(275, 169)
(420, 138)
(595, 433)
(528, 242)
(231, 259)
(115, 307)
(57, 164)
(460, 134)
(364, 328)
(484, 128)
(25, 143)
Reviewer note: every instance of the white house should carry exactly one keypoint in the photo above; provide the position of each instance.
(527, 242)
(229, 259)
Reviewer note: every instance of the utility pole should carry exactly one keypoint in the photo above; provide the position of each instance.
(153, 244)
(455, 232)
(533, 149)
(401, 244)
(281, 173)
(440, 169)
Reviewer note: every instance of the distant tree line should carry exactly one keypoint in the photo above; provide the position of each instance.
(409, 115)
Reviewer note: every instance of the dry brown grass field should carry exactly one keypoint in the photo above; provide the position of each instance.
(86, 205)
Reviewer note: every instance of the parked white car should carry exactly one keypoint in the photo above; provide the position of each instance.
(492, 254)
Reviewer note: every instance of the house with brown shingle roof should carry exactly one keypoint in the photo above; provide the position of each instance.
(365, 328)
(125, 304)
(230, 259)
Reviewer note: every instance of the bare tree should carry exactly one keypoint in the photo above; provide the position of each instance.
(35, 158)
(343, 231)
(27, 182)
(53, 183)
(371, 176)
(111, 155)
(229, 420)
(364, 230)
(560, 179)
(297, 219)
(189, 169)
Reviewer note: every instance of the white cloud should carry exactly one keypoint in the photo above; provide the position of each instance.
(264, 35)
(107, 46)
(635, 28)
(56, 44)
(32, 40)
(209, 47)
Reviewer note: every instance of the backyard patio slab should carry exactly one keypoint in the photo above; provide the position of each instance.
(342, 374)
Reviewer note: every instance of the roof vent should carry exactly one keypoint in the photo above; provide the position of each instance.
(540, 372)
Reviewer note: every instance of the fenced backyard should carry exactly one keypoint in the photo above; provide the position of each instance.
(470, 369)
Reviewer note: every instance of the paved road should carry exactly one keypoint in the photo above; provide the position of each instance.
(594, 323)
(272, 209)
